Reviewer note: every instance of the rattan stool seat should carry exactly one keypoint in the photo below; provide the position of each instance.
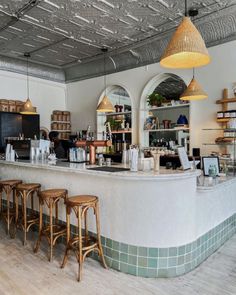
(53, 193)
(81, 200)
(28, 186)
(11, 182)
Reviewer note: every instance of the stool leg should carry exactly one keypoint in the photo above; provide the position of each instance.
(8, 191)
(0, 201)
(51, 228)
(86, 226)
(80, 258)
(67, 239)
(24, 199)
(36, 248)
(99, 236)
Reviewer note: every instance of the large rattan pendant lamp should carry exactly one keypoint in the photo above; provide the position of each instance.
(105, 106)
(186, 48)
(28, 108)
(193, 91)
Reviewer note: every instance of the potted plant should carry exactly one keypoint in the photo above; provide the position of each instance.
(155, 99)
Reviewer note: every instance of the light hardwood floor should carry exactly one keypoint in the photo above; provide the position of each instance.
(24, 273)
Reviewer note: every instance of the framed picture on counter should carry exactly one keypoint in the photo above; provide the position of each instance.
(211, 166)
(183, 157)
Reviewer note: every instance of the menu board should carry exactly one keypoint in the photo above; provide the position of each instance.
(184, 158)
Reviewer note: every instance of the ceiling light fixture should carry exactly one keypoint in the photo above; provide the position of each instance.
(105, 106)
(186, 48)
(193, 91)
(28, 108)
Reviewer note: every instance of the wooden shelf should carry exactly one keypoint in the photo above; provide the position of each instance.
(115, 114)
(121, 131)
(164, 130)
(183, 105)
(61, 130)
(64, 122)
(223, 120)
(226, 100)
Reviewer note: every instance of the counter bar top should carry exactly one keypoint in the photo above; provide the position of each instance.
(164, 174)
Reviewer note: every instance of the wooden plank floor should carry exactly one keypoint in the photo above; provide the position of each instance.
(24, 273)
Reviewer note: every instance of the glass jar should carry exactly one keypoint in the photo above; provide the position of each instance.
(233, 114)
(212, 172)
(220, 115)
(227, 114)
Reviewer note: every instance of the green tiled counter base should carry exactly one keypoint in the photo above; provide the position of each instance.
(166, 262)
(162, 262)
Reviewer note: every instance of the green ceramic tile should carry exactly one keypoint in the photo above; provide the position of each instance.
(188, 248)
(133, 250)
(124, 248)
(124, 257)
(163, 252)
(153, 252)
(180, 270)
(109, 243)
(162, 262)
(103, 240)
(116, 265)
(180, 260)
(116, 255)
(152, 262)
(162, 273)
(124, 267)
(142, 251)
(181, 250)
(173, 251)
(116, 245)
(132, 270)
(109, 252)
(187, 267)
(142, 261)
(142, 272)
(172, 261)
(108, 261)
(132, 259)
(187, 258)
(152, 273)
(171, 272)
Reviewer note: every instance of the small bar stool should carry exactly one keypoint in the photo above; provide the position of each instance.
(24, 191)
(82, 245)
(9, 187)
(53, 230)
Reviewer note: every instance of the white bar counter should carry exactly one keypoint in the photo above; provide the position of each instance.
(153, 225)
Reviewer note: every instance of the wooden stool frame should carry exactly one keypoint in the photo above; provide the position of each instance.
(83, 245)
(53, 231)
(24, 193)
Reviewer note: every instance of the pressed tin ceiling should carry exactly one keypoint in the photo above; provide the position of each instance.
(65, 37)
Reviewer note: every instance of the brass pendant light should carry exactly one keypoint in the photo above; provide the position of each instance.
(193, 91)
(105, 106)
(28, 108)
(186, 48)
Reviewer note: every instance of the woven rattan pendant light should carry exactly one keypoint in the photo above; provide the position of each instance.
(193, 91)
(186, 48)
(105, 106)
(28, 108)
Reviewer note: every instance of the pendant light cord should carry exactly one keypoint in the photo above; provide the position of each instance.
(27, 77)
(186, 8)
(105, 80)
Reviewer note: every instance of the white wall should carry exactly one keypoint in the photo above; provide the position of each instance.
(45, 95)
(82, 96)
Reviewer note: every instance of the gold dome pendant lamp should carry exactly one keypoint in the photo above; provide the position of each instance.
(105, 105)
(186, 48)
(28, 108)
(193, 91)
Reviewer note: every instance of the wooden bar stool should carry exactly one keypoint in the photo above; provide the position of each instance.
(82, 245)
(9, 214)
(24, 191)
(53, 230)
